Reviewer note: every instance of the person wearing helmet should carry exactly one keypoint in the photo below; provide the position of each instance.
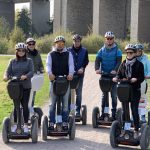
(81, 60)
(133, 70)
(21, 67)
(143, 100)
(34, 54)
(60, 57)
(108, 60)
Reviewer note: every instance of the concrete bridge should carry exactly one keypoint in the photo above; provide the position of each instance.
(78, 16)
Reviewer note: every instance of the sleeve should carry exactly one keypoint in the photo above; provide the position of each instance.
(98, 60)
(41, 66)
(31, 69)
(49, 64)
(140, 73)
(119, 59)
(8, 71)
(71, 64)
(147, 68)
(86, 60)
(120, 72)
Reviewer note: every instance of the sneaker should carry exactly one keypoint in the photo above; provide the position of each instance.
(122, 133)
(65, 126)
(25, 128)
(136, 135)
(102, 117)
(13, 128)
(77, 115)
(51, 126)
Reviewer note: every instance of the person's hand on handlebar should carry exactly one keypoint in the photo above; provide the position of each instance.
(115, 79)
(133, 80)
(23, 77)
(69, 77)
(98, 72)
(80, 71)
(51, 77)
(113, 72)
(5, 78)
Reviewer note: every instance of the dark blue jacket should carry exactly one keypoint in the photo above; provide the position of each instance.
(80, 57)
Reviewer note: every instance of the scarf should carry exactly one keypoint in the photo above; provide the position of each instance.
(129, 63)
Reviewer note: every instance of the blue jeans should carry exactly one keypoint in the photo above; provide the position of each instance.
(52, 105)
(105, 100)
(79, 95)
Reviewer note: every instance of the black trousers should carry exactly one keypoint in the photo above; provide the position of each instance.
(134, 104)
(24, 103)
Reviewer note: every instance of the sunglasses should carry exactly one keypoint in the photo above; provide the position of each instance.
(129, 53)
(109, 38)
(21, 50)
(31, 44)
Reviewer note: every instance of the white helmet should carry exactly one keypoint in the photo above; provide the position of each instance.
(109, 34)
(130, 46)
(59, 38)
(20, 46)
(30, 40)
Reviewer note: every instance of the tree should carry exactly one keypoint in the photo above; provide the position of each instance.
(23, 21)
(4, 28)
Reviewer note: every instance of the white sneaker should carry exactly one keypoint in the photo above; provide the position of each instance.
(13, 128)
(26, 129)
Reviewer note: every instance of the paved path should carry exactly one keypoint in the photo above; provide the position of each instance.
(87, 138)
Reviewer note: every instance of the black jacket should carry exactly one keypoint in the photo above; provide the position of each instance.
(137, 72)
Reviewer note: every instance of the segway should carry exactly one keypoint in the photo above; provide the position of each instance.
(36, 83)
(60, 87)
(124, 93)
(73, 86)
(15, 91)
(105, 83)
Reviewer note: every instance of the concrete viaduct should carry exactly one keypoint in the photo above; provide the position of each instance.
(79, 15)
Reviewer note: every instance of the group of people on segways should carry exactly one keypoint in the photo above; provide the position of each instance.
(125, 80)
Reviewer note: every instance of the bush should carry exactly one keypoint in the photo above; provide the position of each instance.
(16, 36)
(3, 46)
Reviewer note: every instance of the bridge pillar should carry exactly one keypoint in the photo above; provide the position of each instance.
(140, 22)
(74, 15)
(111, 15)
(7, 10)
(40, 15)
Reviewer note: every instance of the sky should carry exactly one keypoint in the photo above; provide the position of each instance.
(27, 5)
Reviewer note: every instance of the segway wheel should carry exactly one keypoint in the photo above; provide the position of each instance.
(84, 114)
(6, 129)
(95, 115)
(119, 115)
(72, 128)
(115, 131)
(34, 130)
(44, 127)
(145, 138)
(39, 112)
(149, 118)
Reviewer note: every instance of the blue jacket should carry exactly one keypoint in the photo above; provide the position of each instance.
(80, 58)
(108, 59)
(144, 59)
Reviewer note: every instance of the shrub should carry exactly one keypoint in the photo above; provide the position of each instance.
(3, 46)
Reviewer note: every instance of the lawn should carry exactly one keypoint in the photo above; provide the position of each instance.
(6, 104)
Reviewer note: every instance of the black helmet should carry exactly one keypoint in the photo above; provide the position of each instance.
(77, 37)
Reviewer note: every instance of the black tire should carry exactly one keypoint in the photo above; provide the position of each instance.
(44, 127)
(142, 127)
(84, 114)
(119, 115)
(149, 118)
(39, 112)
(145, 138)
(115, 131)
(6, 129)
(34, 130)
(95, 115)
(72, 128)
